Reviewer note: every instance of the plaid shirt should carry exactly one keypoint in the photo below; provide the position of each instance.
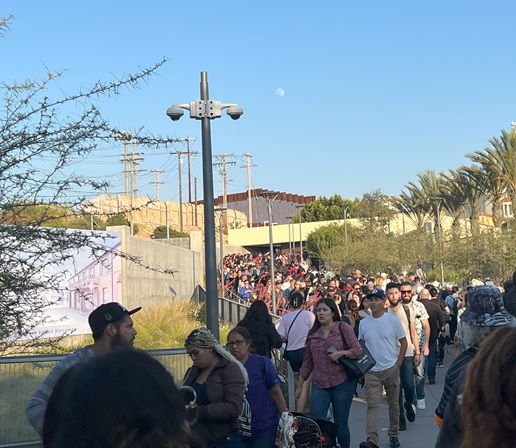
(327, 373)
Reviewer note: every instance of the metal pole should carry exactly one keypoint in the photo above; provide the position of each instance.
(221, 257)
(300, 238)
(166, 220)
(346, 228)
(212, 318)
(271, 249)
(440, 242)
(179, 163)
(289, 237)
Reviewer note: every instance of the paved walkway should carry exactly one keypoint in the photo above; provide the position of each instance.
(420, 434)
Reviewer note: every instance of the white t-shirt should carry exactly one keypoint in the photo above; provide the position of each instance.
(402, 316)
(299, 330)
(381, 336)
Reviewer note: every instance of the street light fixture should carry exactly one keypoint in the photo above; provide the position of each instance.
(269, 197)
(439, 200)
(206, 110)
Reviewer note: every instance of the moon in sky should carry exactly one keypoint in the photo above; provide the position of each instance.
(280, 92)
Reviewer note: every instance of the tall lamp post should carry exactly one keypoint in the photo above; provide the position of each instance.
(206, 110)
(345, 208)
(221, 248)
(300, 208)
(438, 206)
(269, 197)
(289, 237)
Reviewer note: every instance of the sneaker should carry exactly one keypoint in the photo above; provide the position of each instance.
(368, 444)
(403, 425)
(432, 381)
(394, 442)
(440, 364)
(421, 404)
(410, 409)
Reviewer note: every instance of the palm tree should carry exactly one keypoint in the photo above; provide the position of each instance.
(460, 190)
(497, 170)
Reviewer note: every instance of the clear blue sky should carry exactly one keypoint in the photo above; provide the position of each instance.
(375, 91)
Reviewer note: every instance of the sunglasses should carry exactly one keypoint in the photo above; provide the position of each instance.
(407, 292)
(238, 342)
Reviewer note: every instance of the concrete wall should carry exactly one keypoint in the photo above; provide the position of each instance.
(141, 286)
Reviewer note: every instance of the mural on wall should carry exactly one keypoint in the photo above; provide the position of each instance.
(86, 281)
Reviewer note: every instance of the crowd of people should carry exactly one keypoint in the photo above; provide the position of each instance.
(404, 323)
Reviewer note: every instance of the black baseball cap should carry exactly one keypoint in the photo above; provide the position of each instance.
(108, 313)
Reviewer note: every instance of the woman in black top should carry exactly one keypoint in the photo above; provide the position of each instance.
(264, 336)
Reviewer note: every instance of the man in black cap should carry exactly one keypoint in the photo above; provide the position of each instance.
(112, 327)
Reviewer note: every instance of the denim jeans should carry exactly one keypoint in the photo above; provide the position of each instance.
(267, 441)
(431, 361)
(419, 375)
(407, 385)
(340, 397)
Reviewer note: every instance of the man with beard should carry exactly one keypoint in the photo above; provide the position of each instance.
(412, 356)
(112, 327)
(423, 334)
(385, 339)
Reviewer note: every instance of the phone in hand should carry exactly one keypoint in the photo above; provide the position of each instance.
(332, 349)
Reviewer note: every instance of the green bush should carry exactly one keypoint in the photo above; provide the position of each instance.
(160, 232)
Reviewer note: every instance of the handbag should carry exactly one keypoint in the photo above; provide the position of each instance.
(356, 368)
(244, 420)
(285, 352)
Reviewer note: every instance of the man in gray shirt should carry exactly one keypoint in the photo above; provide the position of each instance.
(112, 327)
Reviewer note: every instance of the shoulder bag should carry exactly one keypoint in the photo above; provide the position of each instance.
(285, 353)
(356, 368)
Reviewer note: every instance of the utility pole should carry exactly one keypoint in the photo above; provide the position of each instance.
(157, 182)
(223, 173)
(125, 137)
(188, 140)
(249, 199)
(179, 163)
(195, 200)
(133, 159)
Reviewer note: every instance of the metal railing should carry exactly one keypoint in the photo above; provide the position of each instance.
(20, 376)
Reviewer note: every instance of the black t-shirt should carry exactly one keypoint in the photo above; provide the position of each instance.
(435, 318)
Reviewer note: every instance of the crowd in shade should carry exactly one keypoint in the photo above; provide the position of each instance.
(232, 395)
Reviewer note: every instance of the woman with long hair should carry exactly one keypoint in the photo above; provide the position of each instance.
(330, 384)
(263, 393)
(264, 336)
(489, 396)
(353, 315)
(219, 381)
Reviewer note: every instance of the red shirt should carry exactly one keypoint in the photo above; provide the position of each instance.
(327, 373)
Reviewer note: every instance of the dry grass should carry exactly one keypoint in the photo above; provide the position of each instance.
(166, 325)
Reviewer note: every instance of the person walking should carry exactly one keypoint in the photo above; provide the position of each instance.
(330, 384)
(264, 336)
(112, 327)
(263, 392)
(219, 381)
(436, 322)
(412, 357)
(423, 334)
(385, 338)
